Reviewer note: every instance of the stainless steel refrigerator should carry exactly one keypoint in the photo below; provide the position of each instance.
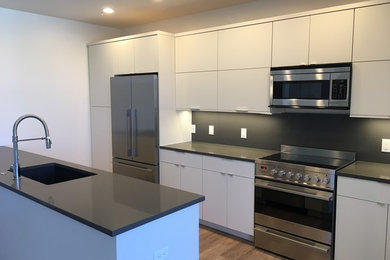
(134, 119)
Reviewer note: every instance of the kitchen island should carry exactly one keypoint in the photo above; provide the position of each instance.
(104, 216)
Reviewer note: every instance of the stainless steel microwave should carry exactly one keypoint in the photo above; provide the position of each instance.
(326, 86)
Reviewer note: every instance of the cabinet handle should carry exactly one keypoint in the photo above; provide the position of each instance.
(381, 204)
(195, 108)
(229, 174)
(242, 110)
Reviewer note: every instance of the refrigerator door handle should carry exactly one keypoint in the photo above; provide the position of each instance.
(133, 132)
(128, 129)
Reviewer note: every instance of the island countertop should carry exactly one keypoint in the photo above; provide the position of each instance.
(110, 203)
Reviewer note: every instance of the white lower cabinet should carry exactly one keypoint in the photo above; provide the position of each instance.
(362, 220)
(229, 189)
(240, 211)
(215, 191)
(182, 171)
(227, 184)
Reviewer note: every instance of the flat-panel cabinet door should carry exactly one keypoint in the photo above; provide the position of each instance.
(245, 47)
(371, 39)
(290, 45)
(197, 52)
(170, 175)
(146, 54)
(240, 204)
(101, 68)
(101, 138)
(244, 90)
(215, 191)
(360, 229)
(370, 92)
(196, 90)
(331, 37)
(124, 57)
(191, 181)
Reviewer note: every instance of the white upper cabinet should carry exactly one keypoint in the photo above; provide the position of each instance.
(146, 54)
(124, 57)
(101, 68)
(245, 47)
(244, 90)
(197, 52)
(196, 90)
(372, 33)
(331, 37)
(370, 92)
(291, 42)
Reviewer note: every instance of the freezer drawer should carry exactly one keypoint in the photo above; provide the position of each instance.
(136, 170)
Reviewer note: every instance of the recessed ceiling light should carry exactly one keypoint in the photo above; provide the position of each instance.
(107, 10)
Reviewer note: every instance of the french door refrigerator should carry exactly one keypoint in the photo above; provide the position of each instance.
(134, 120)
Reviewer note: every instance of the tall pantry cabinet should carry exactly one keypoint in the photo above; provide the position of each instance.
(144, 53)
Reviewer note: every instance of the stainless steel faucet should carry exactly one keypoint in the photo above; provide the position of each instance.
(15, 140)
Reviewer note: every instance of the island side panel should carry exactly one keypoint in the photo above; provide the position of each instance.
(29, 230)
(175, 236)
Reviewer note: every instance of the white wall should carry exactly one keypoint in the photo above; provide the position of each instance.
(44, 70)
(238, 13)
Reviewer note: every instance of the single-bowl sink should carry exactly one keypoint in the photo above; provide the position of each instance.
(52, 173)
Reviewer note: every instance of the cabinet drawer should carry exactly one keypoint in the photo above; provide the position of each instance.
(363, 189)
(181, 158)
(236, 167)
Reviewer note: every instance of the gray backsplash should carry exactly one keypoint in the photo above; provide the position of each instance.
(337, 132)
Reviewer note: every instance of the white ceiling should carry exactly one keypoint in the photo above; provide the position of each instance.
(127, 12)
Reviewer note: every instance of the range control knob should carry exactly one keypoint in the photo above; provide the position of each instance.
(282, 173)
(290, 174)
(298, 176)
(316, 179)
(307, 178)
(325, 181)
(274, 171)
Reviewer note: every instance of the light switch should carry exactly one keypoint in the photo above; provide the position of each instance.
(211, 130)
(385, 145)
(193, 129)
(243, 133)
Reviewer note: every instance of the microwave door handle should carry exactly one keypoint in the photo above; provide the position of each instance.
(270, 186)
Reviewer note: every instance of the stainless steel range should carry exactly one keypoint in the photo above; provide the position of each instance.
(294, 209)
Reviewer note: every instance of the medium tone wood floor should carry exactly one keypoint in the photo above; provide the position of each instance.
(214, 245)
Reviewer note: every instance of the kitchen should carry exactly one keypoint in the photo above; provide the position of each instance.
(70, 104)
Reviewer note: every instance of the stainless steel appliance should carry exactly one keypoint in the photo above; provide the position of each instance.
(134, 119)
(311, 87)
(294, 209)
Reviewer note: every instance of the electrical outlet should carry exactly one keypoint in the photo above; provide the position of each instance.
(243, 133)
(385, 145)
(211, 130)
(161, 254)
(193, 129)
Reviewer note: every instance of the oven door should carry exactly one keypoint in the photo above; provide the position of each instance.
(303, 90)
(301, 211)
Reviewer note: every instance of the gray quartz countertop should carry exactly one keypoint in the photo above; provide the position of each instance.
(367, 170)
(110, 203)
(221, 150)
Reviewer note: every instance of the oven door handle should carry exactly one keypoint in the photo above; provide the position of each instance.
(321, 195)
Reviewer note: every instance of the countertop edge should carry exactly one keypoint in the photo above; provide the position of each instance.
(206, 153)
(111, 233)
(362, 177)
